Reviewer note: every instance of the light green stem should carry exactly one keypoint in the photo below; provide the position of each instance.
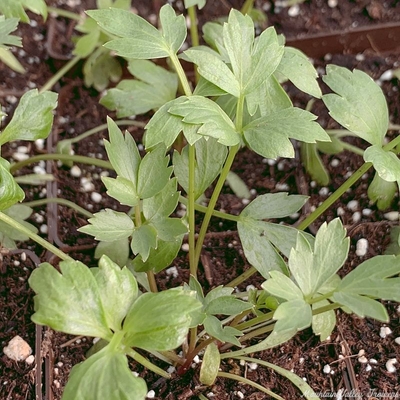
(62, 157)
(62, 202)
(246, 381)
(147, 364)
(194, 35)
(60, 73)
(353, 149)
(21, 228)
(221, 180)
(64, 13)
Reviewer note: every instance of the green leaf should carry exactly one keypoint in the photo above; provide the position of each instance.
(164, 127)
(144, 238)
(213, 36)
(160, 321)
(117, 251)
(282, 286)
(174, 28)
(11, 61)
(9, 234)
(382, 192)
(226, 305)
(159, 258)
(258, 250)
(296, 67)
(358, 103)
(155, 87)
(163, 203)
(274, 205)
(118, 290)
(292, 316)
(86, 44)
(212, 68)
(101, 68)
(313, 163)
(15, 8)
(238, 186)
(104, 375)
(207, 89)
(69, 302)
(313, 268)
(324, 323)
(372, 278)
(140, 39)
(268, 98)
(265, 58)
(214, 122)
(6, 27)
(122, 190)
(210, 158)
(210, 365)
(33, 117)
(122, 152)
(10, 192)
(225, 334)
(386, 163)
(333, 147)
(269, 135)
(108, 226)
(169, 228)
(199, 3)
(153, 172)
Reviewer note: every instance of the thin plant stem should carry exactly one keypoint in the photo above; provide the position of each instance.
(62, 202)
(353, 149)
(61, 157)
(64, 13)
(44, 243)
(147, 364)
(247, 7)
(221, 180)
(194, 34)
(246, 381)
(59, 74)
(191, 209)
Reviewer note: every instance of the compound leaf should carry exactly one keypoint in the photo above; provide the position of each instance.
(358, 103)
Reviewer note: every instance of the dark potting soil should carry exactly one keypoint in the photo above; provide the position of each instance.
(46, 47)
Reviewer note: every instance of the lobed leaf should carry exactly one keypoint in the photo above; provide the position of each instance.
(118, 290)
(122, 190)
(69, 302)
(122, 152)
(144, 238)
(274, 205)
(324, 323)
(213, 120)
(282, 286)
(225, 334)
(33, 117)
(174, 28)
(296, 67)
(6, 27)
(109, 225)
(292, 316)
(269, 135)
(140, 39)
(15, 8)
(160, 321)
(358, 103)
(117, 251)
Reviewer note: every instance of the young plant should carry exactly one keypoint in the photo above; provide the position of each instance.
(238, 101)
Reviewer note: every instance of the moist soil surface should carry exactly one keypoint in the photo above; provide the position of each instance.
(46, 48)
